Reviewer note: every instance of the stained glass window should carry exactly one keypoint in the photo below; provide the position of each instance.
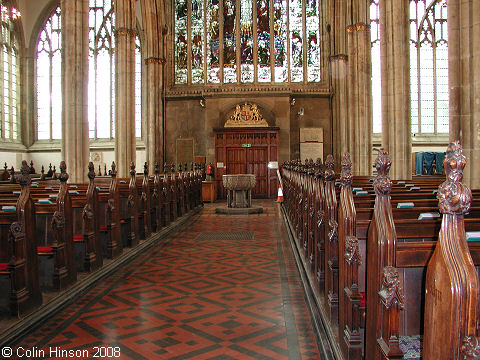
(101, 72)
(138, 88)
(48, 78)
(263, 41)
(247, 41)
(429, 66)
(9, 67)
(213, 41)
(229, 42)
(376, 67)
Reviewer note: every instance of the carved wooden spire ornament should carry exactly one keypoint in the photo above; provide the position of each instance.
(24, 178)
(382, 183)
(346, 174)
(451, 284)
(329, 166)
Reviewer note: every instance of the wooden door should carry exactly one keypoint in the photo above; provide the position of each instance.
(236, 161)
(257, 161)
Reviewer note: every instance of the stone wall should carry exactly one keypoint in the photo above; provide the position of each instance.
(187, 119)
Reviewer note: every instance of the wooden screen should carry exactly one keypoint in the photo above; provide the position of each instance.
(247, 151)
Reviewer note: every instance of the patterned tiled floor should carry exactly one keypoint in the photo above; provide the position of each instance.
(198, 295)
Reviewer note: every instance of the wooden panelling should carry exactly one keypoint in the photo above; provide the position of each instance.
(247, 151)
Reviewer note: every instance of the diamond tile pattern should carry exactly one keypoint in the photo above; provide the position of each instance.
(203, 293)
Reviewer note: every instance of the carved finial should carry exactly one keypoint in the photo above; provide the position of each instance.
(329, 165)
(63, 172)
(352, 251)
(54, 175)
(42, 171)
(470, 348)
(382, 183)
(145, 169)
(173, 168)
(132, 169)
(113, 172)
(32, 169)
(99, 170)
(346, 174)
(105, 169)
(318, 168)
(5, 167)
(180, 167)
(157, 168)
(185, 167)
(311, 167)
(91, 171)
(12, 175)
(165, 168)
(391, 290)
(24, 177)
(454, 197)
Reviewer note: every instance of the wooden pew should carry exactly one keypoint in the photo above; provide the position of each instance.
(19, 263)
(90, 241)
(452, 288)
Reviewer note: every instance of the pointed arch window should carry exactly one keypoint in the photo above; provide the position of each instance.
(101, 70)
(48, 76)
(246, 41)
(376, 68)
(429, 66)
(10, 70)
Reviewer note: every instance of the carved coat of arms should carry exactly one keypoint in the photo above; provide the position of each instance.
(246, 115)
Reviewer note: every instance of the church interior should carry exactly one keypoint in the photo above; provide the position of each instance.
(239, 179)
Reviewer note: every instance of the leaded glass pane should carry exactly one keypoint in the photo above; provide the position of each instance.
(246, 41)
(197, 41)
(101, 84)
(376, 67)
(313, 46)
(213, 41)
(181, 41)
(229, 42)
(263, 41)
(296, 41)
(138, 88)
(9, 74)
(429, 66)
(280, 40)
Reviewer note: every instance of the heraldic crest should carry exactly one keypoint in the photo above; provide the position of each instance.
(246, 115)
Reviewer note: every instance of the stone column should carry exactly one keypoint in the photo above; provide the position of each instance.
(153, 16)
(464, 82)
(359, 99)
(75, 143)
(395, 63)
(337, 11)
(125, 142)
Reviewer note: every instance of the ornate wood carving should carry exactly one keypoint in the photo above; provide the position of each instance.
(451, 295)
(246, 115)
(23, 264)
(93, 246)
(470, 349)
(331, 246)
(382, 321)
(145, 203)
(132, 203)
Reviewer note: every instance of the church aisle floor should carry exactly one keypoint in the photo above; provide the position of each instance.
(222, 287)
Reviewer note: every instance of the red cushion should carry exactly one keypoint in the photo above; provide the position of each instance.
(3, 266)
(103, 228)
(363, 300)
(77, 237)
(44, 249)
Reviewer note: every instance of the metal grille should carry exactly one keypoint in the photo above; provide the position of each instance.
(229, 236)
